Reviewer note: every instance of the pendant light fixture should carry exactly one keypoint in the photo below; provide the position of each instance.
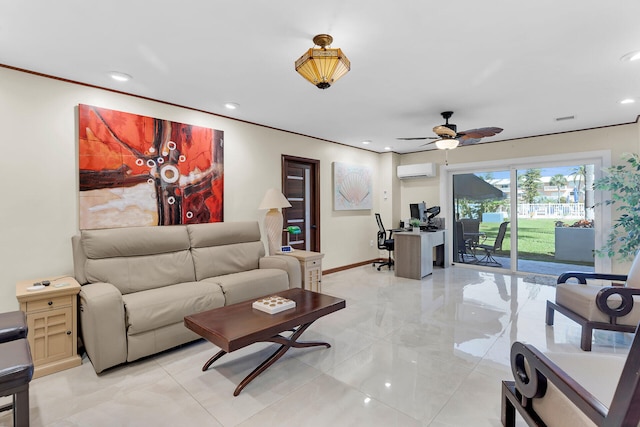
(323, 66)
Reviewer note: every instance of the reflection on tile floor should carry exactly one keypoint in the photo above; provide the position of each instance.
(404, 353)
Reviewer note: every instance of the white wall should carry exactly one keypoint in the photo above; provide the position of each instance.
(39, 213)
(38, 139)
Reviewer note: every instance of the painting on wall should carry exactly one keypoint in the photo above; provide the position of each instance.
(141, 171)
(351, 187)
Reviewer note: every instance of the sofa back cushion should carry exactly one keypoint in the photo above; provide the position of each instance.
(225, 247)
(138, 258)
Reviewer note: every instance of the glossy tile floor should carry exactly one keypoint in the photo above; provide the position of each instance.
(404, 353)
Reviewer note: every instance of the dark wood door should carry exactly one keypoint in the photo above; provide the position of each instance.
(300, 183)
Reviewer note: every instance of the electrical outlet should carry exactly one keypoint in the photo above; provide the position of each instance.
(371, 243)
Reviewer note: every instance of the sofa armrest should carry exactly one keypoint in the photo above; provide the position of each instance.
(102, 325)
(582, 277)
(286, 263)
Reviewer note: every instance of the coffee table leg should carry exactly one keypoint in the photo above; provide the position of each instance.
(287, 343)
(217, 356)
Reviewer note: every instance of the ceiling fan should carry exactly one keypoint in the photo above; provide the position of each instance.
(447, 137)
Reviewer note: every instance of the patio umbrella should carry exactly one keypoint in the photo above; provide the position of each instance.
(472, 187)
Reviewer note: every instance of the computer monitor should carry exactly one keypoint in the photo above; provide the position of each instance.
(417, 211)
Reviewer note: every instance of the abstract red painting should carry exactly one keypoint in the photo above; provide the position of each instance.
(139, 171)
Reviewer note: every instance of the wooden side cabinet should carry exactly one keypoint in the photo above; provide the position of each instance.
(311, 268)
(52, 322)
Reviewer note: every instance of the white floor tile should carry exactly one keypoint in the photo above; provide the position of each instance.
(428, 352)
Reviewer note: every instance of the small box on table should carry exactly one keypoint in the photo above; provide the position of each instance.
(273, 304)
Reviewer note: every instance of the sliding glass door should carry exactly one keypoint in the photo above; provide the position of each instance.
(480, 206)
(537, 217)
(555, 227)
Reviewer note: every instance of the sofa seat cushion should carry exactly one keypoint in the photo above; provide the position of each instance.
(155, 308)
(246, 285)
(581, 299)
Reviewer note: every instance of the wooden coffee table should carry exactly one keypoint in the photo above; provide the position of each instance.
(238, 325)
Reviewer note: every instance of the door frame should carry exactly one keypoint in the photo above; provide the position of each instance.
(601, 158)
(315, 202)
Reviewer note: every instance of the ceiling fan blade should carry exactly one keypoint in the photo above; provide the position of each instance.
(479, 133)
(418, 138)
(468, 141)
(473, 136)
(430, 142)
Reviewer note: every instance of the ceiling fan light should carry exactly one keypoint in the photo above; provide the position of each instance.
(447, 143)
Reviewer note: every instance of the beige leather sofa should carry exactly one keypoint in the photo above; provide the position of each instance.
(138, 283)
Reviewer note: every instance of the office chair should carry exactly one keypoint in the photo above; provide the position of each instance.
(385, 243)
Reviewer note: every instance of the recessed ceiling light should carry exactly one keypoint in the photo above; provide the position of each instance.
(628, 101)
(387, 148)
(367, 142)
(231, 105)
(120, 77)
(631, 56)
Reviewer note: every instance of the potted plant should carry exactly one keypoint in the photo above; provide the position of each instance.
(623, 181)
(415, 224)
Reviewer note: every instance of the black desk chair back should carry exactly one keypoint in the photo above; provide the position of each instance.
(385, 243)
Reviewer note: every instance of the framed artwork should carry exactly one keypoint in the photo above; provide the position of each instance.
(352, 186)
(140, 171)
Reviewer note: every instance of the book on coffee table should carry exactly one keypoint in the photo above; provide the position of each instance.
(274, 304)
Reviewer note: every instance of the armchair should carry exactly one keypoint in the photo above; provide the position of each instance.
(545, 395)
(464, 248)
(598, 307)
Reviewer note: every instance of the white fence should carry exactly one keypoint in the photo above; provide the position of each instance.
(551, 210)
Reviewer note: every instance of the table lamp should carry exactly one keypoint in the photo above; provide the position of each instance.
(274, 199)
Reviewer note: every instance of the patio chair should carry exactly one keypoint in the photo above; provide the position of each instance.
(464, 250)
(472, 230)
(598, 307)
(599, 393)
(490, 250)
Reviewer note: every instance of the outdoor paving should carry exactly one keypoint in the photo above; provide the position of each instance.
(543, 268)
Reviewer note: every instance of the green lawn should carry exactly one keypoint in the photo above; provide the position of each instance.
(537, 239)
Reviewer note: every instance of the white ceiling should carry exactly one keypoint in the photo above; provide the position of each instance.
(512, 64)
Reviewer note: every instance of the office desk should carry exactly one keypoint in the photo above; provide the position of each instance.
(414, 252)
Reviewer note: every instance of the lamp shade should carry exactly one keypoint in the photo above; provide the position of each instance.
(447, 143)
(274, 199)
(323, 66)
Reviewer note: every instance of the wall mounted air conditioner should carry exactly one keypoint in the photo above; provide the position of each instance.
(418, 170)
